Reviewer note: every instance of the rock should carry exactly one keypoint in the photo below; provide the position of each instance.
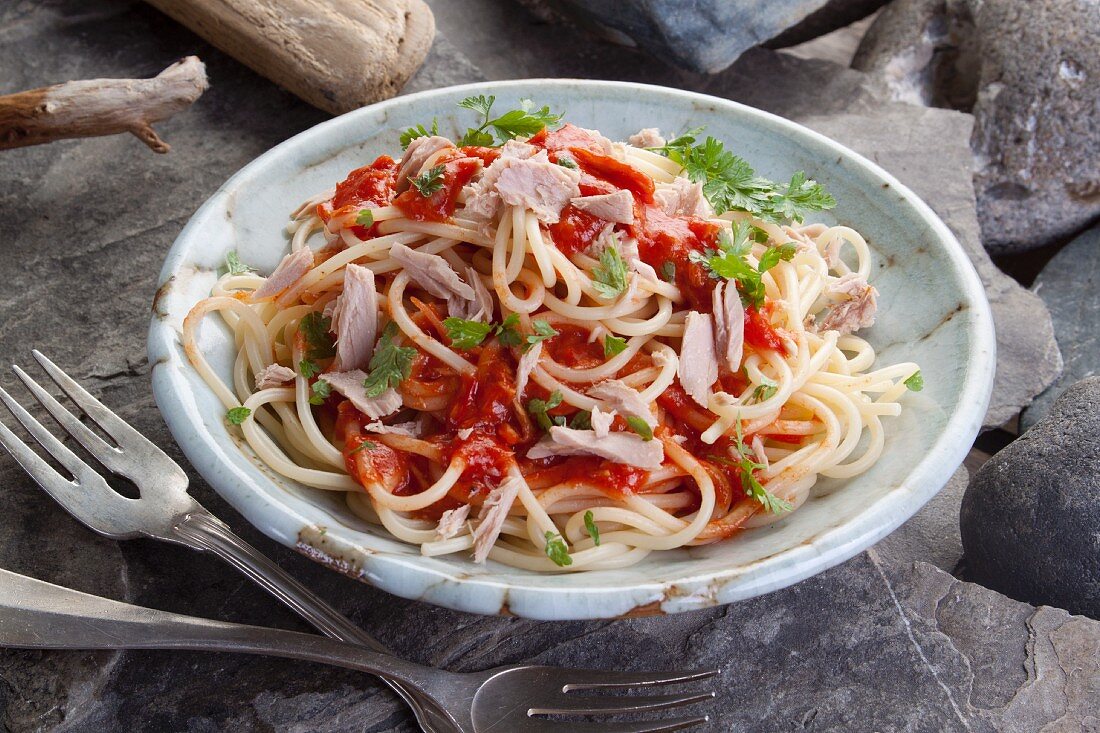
(932, 534)
(1029, 70)
(444, 66)
(708, 35)
(1031, 516)
(1070, 287)
(833, 15)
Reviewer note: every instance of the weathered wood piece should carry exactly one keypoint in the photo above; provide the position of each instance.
(337, 55)
(94, 107)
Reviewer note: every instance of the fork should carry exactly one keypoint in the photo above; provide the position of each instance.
(165, 511)
(38, 615)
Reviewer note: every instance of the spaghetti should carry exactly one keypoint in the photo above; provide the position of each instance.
(549, 349)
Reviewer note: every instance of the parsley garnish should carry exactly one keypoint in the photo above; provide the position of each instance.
(540, 409)
(390, 364)
(308, 368)
(773, 255)
(730, 261)
(365, 445)
(668, 271)
(557, 550)
(915, 382)
(764, 392)
(233, 264)
(508, 332)
(752, 487)
(319, 391)
(730, 183)
(466, 334)
(613, 345)
(522, 122)
(414, 132)
(314, 327)
(237, 415)
(640, 426)
(365, 218)
(582, 420)
(593, 530)
(566, 162)
(429, 182)
(609, 277)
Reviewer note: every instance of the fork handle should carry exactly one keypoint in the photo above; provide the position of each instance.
(202, 531)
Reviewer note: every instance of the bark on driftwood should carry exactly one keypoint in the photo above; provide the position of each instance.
(101, 107)
(337, 55)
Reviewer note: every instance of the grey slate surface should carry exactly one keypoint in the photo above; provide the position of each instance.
(879, 643)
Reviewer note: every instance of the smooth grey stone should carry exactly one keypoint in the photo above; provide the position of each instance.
(831, 16)
(1029, 70)
(932, 534)
(1031, 517)
(1070, 286)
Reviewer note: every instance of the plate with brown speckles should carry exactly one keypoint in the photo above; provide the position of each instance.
(932, 310)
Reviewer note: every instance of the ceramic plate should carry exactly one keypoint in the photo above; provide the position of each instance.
(932, 310)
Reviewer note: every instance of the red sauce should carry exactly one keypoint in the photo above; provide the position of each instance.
(484, 400)
(368, 187)
(618, 174)
(485, 155)
(576, 230)
(572, 349)
(614, 479)
(440, 205)
(663, 238)
(760, 333)
(487, 461)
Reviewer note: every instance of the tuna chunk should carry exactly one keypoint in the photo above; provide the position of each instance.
(451, 522)
(480, 308)
(350, 385)
(601, 421)
(698, 367)
(647, 137)
(410, 429)
(615, 207)
(274, 375)
(533, 183)
(681, 197)
(289, 271)
(492, 515)
(432, 273)
(416, 155)
(625, 448)
(729, 325)
(355, 319)
(624, 399)
(527, 364)
(856, 311)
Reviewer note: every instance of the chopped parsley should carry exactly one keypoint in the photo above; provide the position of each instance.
(763, 392)
(390, 363)
(522, 122)
(609, 277)
(466, 334)
(582, 420)
(730, 183)
(319, 392)
(419, 131)
(593, 530)
(543, 331)
(668, 271)
(541, 408)
(753, 488)
(557, 550)
(308, 368)
(237, 415)
(566, 162)
(314, 328)
(233, 264)
(640, 426)
(429, 181)
(915, 382)
(365, 445)
(613, 345)
(508, 332)
(730, 261)
(365, 218)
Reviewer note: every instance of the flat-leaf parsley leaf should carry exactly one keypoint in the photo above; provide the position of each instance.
(390, 365)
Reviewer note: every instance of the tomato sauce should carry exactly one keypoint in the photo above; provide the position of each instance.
(440, 204)
(760, 333)
(369, 187)
(576, 230)
(618, 174)
(615, 480)
(572, 349)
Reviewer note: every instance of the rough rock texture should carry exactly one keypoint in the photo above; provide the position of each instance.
(831, 16)
(1070, 286)
(86, 228)
(1031, 516)
(704, 36)
(1030, 71)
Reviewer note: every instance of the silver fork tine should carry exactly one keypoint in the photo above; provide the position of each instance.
(536, 725)
(596, 679)
(106, 454)
(111, 423)
(595, 705)
(90, 498)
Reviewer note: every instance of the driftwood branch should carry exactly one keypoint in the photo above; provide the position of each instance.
(101, 107)
(337, 55)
